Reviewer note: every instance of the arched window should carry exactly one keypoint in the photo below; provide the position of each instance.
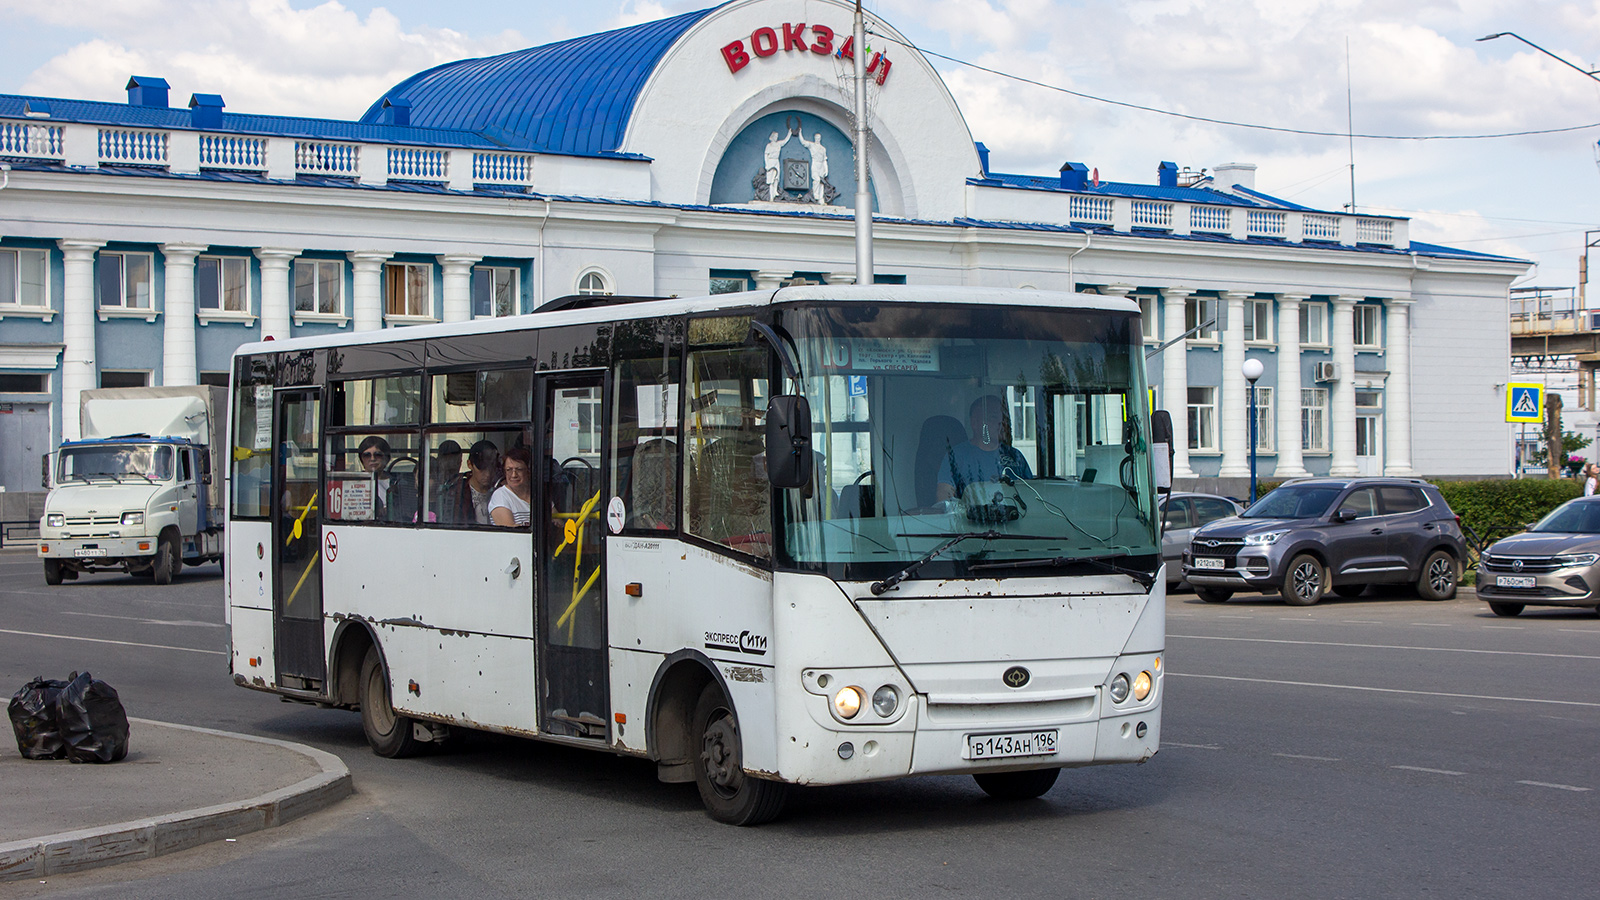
(593, 283)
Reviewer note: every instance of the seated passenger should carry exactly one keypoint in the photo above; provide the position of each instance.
(511, 505)
(464, 499)
(374, 455)
(987, 455)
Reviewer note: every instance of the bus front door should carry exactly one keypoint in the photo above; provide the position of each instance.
(574, 691)
(297, 540)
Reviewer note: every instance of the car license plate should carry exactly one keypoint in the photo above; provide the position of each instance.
(1513, 581)
(1017, 743)
(101, 551)
(1202, 562)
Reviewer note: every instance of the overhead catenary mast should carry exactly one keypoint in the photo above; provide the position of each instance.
(863, 196)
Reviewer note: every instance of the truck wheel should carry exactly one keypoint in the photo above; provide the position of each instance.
(167, 564)
(729, 795)
(52, 571)
(389, 734)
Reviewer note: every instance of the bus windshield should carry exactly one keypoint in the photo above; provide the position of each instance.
(120, 462)
(928, 422)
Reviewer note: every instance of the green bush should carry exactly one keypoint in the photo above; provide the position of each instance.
(1499, 507)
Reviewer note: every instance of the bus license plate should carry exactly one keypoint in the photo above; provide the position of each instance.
(97, 551)
(1202, 562)
(1513, 581)
(1019, 743)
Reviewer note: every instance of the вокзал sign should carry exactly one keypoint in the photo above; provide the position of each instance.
(765, 42)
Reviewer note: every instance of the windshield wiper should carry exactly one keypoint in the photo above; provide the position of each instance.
(878, 587)
(1103, 563)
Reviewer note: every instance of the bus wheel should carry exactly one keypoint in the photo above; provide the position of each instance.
(728, 794)
(52, 571)
(390, 735)
(1017, 785)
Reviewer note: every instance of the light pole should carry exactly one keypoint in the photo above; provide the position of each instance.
(1564, 62)
(1252, 369)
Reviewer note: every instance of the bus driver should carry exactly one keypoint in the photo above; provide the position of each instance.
(987, 455)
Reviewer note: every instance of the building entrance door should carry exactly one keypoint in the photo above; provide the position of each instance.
(1369, 433)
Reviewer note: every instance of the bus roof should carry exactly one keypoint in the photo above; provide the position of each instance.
(880, 293)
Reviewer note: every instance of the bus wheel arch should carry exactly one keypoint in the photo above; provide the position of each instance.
(350, 642)
(677, 686)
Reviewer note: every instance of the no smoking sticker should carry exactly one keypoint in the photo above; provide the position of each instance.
(616, 514)
(330, 546)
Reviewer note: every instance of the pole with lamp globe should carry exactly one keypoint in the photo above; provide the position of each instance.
(1252, 369)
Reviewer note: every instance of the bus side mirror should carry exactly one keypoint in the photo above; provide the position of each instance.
(789, 441)
(1161, 449)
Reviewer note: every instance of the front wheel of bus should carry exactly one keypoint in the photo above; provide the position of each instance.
(389, 734)
(729, 795)
(1017, 785)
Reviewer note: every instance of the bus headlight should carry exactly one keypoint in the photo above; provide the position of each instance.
(55, 520)
(133, 518)
(1142, 683)
(1120, 687)
(847, 703)
(885, 701)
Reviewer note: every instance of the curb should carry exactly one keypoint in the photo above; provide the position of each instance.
(75, 851)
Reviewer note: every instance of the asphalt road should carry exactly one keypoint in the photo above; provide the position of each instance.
(1376, 747)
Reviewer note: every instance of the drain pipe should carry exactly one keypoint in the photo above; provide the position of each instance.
(543, 264)
(1072, 285)
(5, 176)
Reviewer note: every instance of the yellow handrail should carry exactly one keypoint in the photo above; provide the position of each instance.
(295, 530)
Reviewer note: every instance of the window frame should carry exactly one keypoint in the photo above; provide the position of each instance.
(1361, 314)
(1194, 313)
(494, 273)
(18, 304)
(1202, 427)
(1313, 410)
(1266, 420)
(606, 285)
(1259, 319)
(121, 308)
(1321, 310)
(219, 311)
(1150, 317)
(426, 301)
(316, 313)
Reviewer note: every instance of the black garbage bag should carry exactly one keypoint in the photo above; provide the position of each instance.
(94, 725)
(33, 718)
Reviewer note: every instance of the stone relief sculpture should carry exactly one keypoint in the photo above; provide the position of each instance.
(794, 178)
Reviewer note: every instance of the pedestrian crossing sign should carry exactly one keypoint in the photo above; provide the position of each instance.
(1525, 403)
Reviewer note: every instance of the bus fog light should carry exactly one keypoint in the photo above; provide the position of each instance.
(847, 750)
(1141, 729)
(847, 702)
(1120, 686)
(1142, 684)
(885, 701)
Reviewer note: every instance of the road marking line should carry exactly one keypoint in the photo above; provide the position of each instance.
(1559, 787)
(1577, 630)
(145, 621)
(1317, 758)
(1432, 624)
(1362, 622)
(1211, 637)
(1236, 617)
(68, 637)
(1502, 627)
(1423, 769)
(1191, 746)
(1378, 690)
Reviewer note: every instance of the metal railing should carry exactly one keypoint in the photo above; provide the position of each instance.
(1539, 310)
(9, 531)
(31, 139)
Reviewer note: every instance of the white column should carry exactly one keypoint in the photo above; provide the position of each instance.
(1235, 396)
(1291, 461)
(1397, 390)
(177, 334)
(276, 291)
(457, 270)
(771, 279)
(78, 367)
(1343, 428)
(367, 304)
(1175, 379)
(1116, 290)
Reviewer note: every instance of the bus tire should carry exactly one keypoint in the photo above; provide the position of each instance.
(167, 564)
(389, 734)
(52, 571)
(1017, 785)
(728, 793)
(1212, 595)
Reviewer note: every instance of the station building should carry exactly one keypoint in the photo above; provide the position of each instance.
(140, 243)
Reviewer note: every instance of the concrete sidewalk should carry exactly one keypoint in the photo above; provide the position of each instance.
(179, 787)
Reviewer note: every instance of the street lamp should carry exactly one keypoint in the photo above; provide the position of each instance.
(1252, 369)
(1564, 62)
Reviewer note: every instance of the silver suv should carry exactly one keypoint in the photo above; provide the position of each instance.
(1343, 534)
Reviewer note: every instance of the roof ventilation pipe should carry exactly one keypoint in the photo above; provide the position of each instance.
(1232, 175)
(396, 111)
(144, 90)
(1074, 176)
(205, 110)
(1167, 174)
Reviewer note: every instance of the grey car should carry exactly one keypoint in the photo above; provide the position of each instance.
(1317, 534)
(1556, 562)
(1181, 514)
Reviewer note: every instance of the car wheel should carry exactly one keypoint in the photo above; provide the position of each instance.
(1438, 578)
(388, 733)
(1349, 590)
(1212, 595)
(1017, 785)
(1306, 581)
(1506, 609)
(52, 571)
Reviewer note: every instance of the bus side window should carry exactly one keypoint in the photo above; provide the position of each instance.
(727, 496)
(645, 442)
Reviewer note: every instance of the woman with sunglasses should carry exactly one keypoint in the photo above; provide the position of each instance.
(511, 505)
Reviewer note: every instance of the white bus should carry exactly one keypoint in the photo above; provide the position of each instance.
(818, 536)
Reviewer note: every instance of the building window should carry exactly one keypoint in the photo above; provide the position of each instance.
(222, 284)
(1149, 318)
(1264, 420)
(1202, 418)
(319, 286)
(24, 384)
(593, 283)
(1199, 311)
(494, 291)
(1368, 325)
(214, 379)
(1314, 324)
(1314, 419)
(1258, 320)
(408, 290)
(124, 280)
(731, 281)
(111, 378)
(23, 278)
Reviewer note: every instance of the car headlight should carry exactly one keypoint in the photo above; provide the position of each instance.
(847, 703)
(1577, 559)
(1142, 683)
(885, 701)
(133, 518)
(1264, 538)
(1120, 686)
(55, 520)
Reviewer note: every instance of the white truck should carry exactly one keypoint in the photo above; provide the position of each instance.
(142, 490)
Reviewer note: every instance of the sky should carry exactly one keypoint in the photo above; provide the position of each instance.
(1413, 70)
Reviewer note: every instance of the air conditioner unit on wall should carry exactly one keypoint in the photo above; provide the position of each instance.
(1327, 371)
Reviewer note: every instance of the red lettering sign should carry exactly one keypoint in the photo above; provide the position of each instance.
(771, 42)
(735, 55)
(824, 36)
(848, 51)
(793, 36)
(883, 73)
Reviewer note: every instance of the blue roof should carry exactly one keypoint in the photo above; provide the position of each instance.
(573, 97)
(1120, 189)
